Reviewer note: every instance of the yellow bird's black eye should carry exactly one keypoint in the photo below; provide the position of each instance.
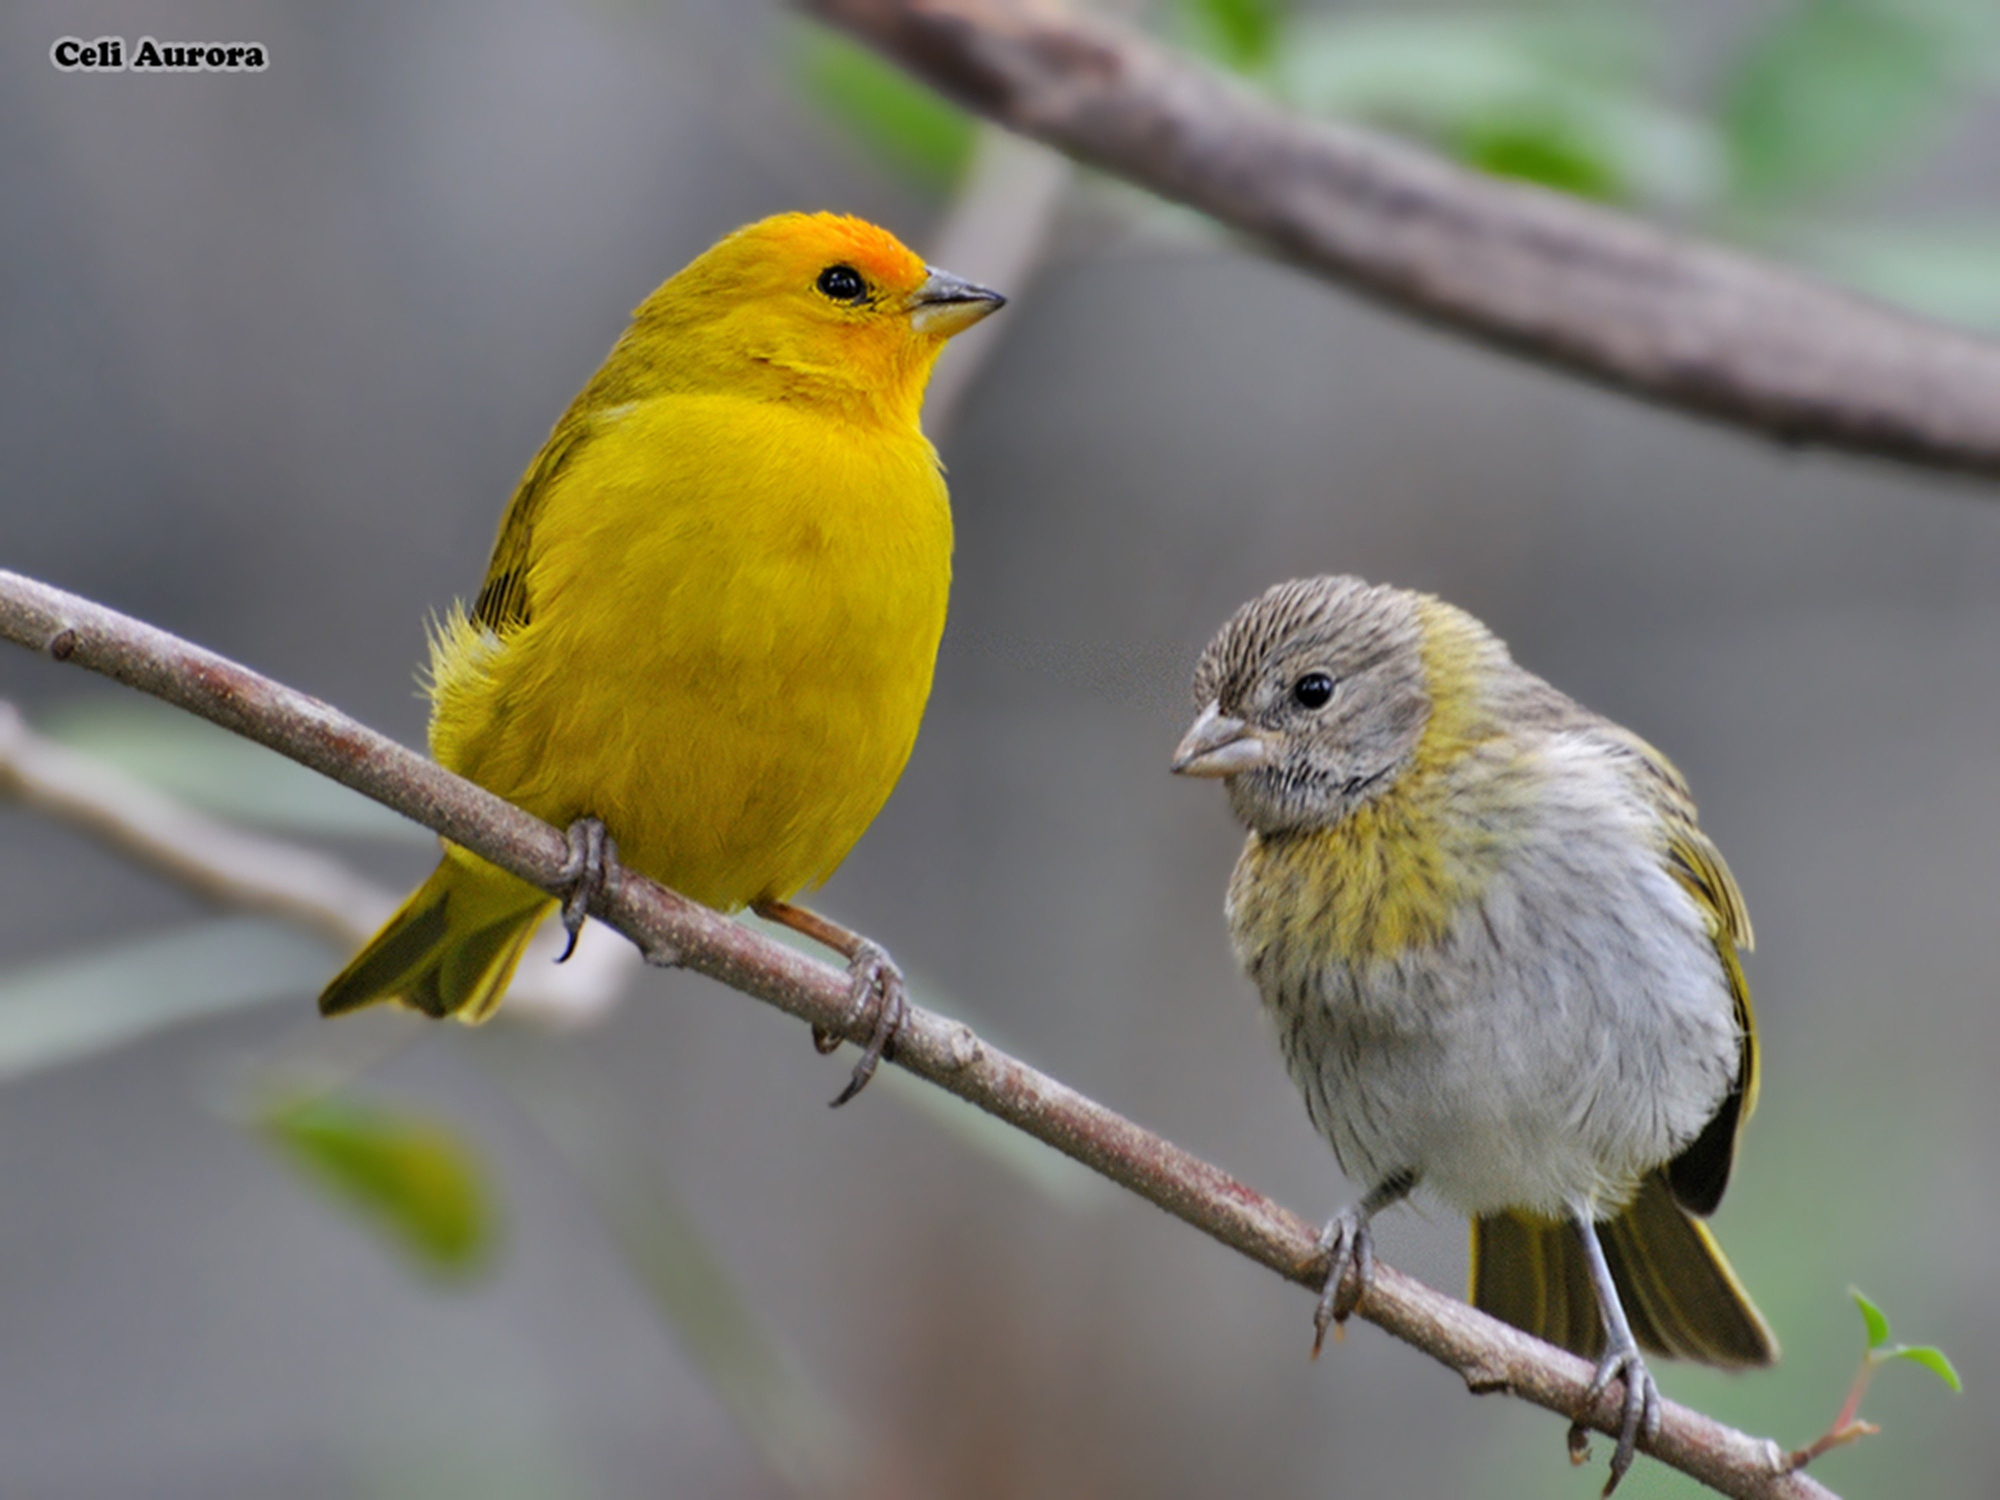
(842, 283)
(1314, 690)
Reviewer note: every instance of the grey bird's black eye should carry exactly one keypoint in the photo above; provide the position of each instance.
(1313, 690)
(842, 283)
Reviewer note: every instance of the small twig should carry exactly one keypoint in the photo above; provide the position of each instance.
(1847, 1426)
(1836, 1436)
(1602, 294)
(996, 233)
(269, 876)
(1487, 1354)
(224, 864)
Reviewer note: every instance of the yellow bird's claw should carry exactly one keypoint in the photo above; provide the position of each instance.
(587, 871)
(874, 980)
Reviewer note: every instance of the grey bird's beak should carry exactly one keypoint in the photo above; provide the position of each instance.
(1219, 746)
(946, 304)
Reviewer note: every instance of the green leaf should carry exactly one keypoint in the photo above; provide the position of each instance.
(916, 132)
(1837, 87)
(72, 1008)
(1239, 34)
(219, 772)
(1541, 151)
(411, 1178)
(1932, 1359)
(1873, 1317)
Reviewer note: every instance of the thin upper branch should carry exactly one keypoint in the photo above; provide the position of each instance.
(996, 232)
(1602, 294)
(671, 930)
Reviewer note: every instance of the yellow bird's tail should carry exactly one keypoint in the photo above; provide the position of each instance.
(450, 949)
(1680, 1295)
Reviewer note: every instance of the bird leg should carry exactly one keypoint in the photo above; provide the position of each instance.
(587, 873)
(873, 979)
(1347, 1244)
(1621, 1361)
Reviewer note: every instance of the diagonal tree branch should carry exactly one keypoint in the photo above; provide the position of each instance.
(1601, 294)
(671, 930)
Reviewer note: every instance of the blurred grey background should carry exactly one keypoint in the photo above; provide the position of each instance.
(273, 350)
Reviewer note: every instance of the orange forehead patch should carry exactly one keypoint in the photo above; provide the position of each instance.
(830, 239)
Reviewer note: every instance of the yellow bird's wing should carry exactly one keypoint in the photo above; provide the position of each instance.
(1700, 1173)
(503, 602)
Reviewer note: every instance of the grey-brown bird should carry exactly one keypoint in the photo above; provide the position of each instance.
(1502, 962)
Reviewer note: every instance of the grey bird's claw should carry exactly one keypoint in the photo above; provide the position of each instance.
(873, 981)
(1641, 1409)
(587, 872)
(1347, 1244)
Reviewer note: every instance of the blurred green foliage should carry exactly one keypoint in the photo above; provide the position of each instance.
(409, 1177)
(87, 1003)
(914, 131)
(1835, 89)
(1805, 108)
(1559, 99)
(1242, 34)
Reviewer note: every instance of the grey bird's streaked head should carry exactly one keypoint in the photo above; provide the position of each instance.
(1310, 701)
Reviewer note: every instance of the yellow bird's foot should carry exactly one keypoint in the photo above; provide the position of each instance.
(1348, 1246)
(587, 872)
(874, 983)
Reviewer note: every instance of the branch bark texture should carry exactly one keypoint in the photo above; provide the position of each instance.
(1601, 294)
(671, 930)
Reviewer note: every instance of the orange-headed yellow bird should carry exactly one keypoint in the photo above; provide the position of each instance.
(712, 613)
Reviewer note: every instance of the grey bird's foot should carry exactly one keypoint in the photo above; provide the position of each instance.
(1347, 1245)
(1621, 1361)
(1642, 1403)
(587, 872)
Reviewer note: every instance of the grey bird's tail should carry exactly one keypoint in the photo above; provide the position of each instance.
(1679, 1293)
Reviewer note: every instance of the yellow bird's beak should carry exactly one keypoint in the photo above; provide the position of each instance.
(1218, 745)
(945, 304)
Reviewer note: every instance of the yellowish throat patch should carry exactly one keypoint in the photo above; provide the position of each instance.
(1395, 873)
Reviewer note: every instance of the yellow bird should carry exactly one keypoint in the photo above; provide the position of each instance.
(711, 617)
